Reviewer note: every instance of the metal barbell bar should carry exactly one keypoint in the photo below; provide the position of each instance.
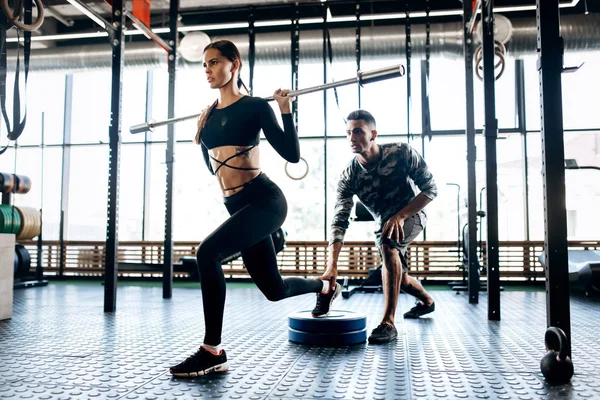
(362, 78)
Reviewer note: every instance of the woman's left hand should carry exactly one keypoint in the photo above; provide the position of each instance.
(283, 100)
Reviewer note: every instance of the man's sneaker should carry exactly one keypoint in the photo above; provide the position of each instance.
(324, 301)
(419, 310)
(384, 333)
(201, 363)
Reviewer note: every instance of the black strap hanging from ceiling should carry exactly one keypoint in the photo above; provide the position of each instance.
(295, 32)
(251, 47)
(427, 111)
(6, 22)
(357, 47)
(330, 56)
(408, 75)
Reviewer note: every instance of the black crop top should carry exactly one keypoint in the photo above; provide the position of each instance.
(240, 123)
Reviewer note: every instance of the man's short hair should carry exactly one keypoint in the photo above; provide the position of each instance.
(363, 115)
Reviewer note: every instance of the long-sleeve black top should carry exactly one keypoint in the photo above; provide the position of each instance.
(240, 123)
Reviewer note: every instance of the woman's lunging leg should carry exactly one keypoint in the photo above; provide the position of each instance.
(261, 262)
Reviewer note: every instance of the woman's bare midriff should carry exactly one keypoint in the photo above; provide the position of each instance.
(229, 177)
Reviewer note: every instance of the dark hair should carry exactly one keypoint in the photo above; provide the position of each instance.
(363, 115)
(230, 52)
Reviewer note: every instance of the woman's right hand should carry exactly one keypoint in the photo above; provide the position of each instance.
(329, 274)
(284, 101)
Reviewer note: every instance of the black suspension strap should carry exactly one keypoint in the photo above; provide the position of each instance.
(357, 48)
(295, 33)
(14, 131)
(427, 111)
(408, 75)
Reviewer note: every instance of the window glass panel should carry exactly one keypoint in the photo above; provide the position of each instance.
(310, 105)
(306, 205)
(582, 188)
(131, 192)
(52, 192)
(133, 102)
(505, 98)
(447, 102)
(155, 225)
(580, 91)
(45, 94)
(532, 93)
(90, 117)
(198, 201)
(88, 192)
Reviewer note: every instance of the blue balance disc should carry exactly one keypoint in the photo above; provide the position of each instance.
(339, 328)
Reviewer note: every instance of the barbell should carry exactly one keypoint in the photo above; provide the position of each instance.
(362, 78)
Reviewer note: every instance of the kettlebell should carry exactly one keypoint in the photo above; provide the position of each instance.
(556, 365)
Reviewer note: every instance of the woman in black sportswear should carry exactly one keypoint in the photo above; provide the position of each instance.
(229, 133)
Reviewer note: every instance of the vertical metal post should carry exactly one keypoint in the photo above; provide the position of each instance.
(425, 121)
(251, 48)
(522, 126)
(550, 64)
(458, 252)
(491, 135)
(357, 47)
(325, 31)
(39, 272)
(473, 263)
(170, 151)
(423, 154)
(111, 265)
(65, 172)
(147, 156)
(295, 57)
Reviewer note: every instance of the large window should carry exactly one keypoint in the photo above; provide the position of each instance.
(45, 109)
(579, 92)
(447, 97)
(90, 116)
(198, 205)
(582, 186)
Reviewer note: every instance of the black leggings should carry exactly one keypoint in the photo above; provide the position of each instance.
(256, 212)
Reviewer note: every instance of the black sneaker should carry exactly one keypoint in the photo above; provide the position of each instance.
(201, 363)
(324, 301)
(384, 333)
(419, 310)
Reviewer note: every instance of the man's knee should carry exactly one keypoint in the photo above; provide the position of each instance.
(389, 253)
(405, 279)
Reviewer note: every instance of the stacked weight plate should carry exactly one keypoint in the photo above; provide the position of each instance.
(339, 328)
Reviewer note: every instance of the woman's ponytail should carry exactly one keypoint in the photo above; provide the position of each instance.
(203, 118)
(241, 84)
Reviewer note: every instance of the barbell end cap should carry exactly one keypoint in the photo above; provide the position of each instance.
(140, 128)
(402, 69)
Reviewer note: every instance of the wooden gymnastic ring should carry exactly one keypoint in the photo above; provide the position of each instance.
(14, 19)
(297, 178)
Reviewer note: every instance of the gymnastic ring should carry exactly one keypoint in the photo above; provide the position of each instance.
(501, 63)
(293, 177)
(15, 19)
